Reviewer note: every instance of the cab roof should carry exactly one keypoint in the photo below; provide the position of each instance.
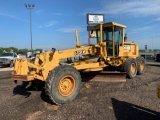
(112, 24)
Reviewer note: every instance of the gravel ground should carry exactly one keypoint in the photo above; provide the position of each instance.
(135, 99)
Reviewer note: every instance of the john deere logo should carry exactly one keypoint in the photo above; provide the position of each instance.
(79, 52)
(95, 18)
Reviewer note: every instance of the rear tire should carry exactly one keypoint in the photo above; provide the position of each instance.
(140, 65)
(63, 84)
(130, 67)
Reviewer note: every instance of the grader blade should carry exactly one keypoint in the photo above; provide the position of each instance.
(105, 76)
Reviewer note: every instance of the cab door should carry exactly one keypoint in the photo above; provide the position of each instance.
(112, 35)
(108, 38)
(117, 39)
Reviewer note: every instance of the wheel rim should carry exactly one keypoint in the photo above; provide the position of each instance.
(133, 68)
(142, 65)
(66, 85)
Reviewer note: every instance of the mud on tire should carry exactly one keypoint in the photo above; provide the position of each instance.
(63, 84)
(140, 65)
(130, 67)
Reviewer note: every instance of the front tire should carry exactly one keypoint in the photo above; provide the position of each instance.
(63, 84)
(130, 67)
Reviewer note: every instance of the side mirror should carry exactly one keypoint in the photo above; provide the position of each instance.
(91, 31)
(125, 37)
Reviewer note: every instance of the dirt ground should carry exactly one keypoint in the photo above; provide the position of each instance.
(135, 99)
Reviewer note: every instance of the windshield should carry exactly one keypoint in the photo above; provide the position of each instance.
(6, 54)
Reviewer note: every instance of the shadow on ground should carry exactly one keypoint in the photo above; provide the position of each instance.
(86, 77)
(21, 90)
(128, 111)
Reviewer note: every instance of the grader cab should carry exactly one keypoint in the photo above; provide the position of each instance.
(63, 81)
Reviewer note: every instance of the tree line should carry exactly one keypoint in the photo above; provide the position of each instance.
(18, 51)
(149, 51)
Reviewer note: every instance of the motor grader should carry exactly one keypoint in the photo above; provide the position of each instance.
(63, 81)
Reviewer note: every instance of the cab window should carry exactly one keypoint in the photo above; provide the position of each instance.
(15, 55)
(98, 35)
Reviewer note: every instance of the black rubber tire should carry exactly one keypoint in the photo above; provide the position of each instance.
(140, 60)
(52, 82)
(127, 67)
(11, 64)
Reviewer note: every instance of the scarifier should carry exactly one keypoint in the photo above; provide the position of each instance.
(111, 56)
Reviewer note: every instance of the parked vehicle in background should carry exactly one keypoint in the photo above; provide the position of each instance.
(148, 57)
(32, 59)
(157, 57)
(8, 59)
(21, 56)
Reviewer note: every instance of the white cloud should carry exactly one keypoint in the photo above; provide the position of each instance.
(139, 29)
(40, 26)
(131, 7)
(157, 19)
(43, 11)
(39, 11)
(71, 29)
(54, 13)
(50, 23)
(12, 16)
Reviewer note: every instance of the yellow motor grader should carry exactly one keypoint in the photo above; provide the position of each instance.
(63, 81)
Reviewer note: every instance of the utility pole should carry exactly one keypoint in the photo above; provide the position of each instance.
(30, 7)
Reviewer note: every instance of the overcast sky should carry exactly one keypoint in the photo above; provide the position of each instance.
(54, 21)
